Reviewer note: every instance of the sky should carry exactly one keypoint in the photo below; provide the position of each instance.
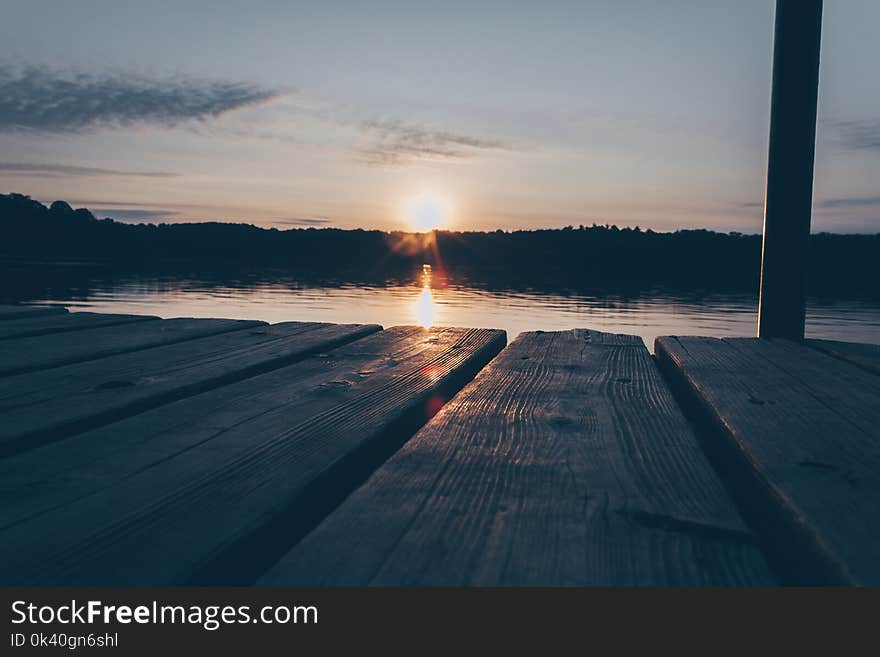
(489, 114)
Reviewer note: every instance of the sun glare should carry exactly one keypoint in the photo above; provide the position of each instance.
(427, 212)
(425, 308)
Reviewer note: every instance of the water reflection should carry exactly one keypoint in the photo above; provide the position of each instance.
(425, 308)
(429, 297)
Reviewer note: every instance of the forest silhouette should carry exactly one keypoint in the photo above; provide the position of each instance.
(576, 258)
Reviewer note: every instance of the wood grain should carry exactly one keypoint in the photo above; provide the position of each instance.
(213, 488)
(60, 323)
(566, 462)
(19, 312)
(45, 351)
(43, 406)
(866, 356)
(797, 433)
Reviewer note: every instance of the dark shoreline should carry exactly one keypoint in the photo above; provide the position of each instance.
(38, 241)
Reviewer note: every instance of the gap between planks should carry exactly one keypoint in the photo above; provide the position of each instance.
(64, 323)
(44, 406)
(795, 433)
(30, 354)
(565, 462)
(214, 488)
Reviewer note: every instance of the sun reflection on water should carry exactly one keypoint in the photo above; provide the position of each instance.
(425, 308)
(438, 299)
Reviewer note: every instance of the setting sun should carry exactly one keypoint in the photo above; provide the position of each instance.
(427, 212)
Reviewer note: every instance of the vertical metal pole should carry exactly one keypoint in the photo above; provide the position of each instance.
(789, 198)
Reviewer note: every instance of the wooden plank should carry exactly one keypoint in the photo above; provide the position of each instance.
(866, 356)
(215, 487)
(797, 433)
(19, 312)
(43, 406)
(43, 325)
(45, 351)
(565, 462)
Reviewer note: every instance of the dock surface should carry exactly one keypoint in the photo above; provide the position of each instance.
(143, 451)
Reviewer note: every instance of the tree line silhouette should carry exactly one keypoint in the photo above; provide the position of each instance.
(572, 258)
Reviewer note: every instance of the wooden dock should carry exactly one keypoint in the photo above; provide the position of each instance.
(136, 450)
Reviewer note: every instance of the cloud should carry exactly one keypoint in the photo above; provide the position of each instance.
(41, 99)
(136, 216)
(301, 221)
(395, 143)
(67, 170)
(858, 135)
(825, 204)
(853, 202)
(110, 203)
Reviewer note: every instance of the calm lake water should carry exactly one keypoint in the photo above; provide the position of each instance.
(427, 301)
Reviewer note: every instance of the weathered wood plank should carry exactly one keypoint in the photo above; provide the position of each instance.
(797, 433)
(19, 312)
(215, 487)
(42, 406)
(565, 462)
(866, 356)
(45, 351)
(55, 323)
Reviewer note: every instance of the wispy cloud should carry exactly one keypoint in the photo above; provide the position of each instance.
(27, 168)
(852, 202)
(824, 204)
(90, 202)
(857, 135)
(42, 99)
(301, 221)
(396, 143)
(135, 216)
